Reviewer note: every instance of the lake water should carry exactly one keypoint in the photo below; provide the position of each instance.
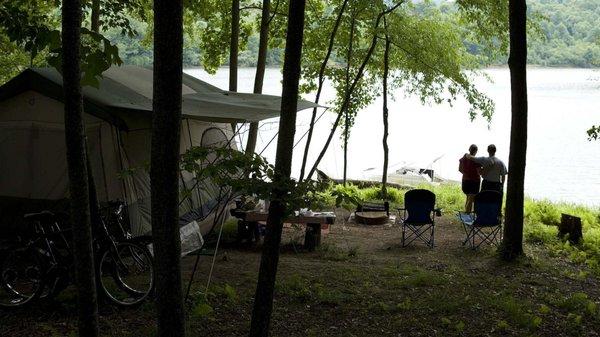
(562, 165)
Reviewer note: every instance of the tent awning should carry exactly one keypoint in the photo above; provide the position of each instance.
(235, 107)
(129, 88)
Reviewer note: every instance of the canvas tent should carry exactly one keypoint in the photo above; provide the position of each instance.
(117, 119)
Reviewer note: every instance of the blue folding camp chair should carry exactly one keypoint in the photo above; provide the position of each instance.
(418, 217)
(484, 224)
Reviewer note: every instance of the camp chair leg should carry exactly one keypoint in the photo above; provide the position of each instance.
(418, 232)
(432, 236)
(484, 235)
(403, 231)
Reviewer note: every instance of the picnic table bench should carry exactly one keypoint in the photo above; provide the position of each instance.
(248, 225)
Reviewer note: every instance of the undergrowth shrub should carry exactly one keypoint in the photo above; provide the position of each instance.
(542, 218)
(448, 197)
(394, 195)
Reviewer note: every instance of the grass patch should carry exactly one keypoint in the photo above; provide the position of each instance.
(580, 304)
(517, 312)
(303, 290)
(422, 278)
(331, 252)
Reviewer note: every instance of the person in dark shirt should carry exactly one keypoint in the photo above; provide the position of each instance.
(493, 170)
(471, 177)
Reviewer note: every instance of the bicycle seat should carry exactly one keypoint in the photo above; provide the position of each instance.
(41, 216)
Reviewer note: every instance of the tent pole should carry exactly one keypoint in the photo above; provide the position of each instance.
(118, 142)
(102, 162)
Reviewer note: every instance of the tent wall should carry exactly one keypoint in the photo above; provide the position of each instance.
(136, 145)
(33, 159)
(33, 153)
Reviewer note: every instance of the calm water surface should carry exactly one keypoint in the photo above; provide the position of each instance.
(562, 165)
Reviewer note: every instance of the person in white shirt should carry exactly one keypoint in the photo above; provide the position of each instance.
(493, 170)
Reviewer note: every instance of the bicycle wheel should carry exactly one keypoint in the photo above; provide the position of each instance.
(21, 278)
(126, 274)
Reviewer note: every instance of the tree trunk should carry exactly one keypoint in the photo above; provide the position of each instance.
(354, 83)
(263, 299)
(234, 45)
(386, 62)
(95, 17)
(346, 126)
(347, 112)
(261, 64)
(164, 165)
(78, 178)
(343, 108)
(320, 87)
(95, 217)
(512, 245)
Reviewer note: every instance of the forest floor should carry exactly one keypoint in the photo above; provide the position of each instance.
(361, 282)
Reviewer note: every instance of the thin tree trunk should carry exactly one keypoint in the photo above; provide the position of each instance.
(347, 112)
(78, 179)
(95, 216)
(234, 48)
(386, 62)
(164, 165)
(346, 126)
(263, 299)
(343, 108)
(261, 64)
(234, 45)
(95, 17)
(512, 245)
(354, 83)
(320, 87)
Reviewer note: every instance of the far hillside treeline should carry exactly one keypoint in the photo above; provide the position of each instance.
(568, 35)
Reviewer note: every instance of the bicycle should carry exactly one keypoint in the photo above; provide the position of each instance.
(40, 265)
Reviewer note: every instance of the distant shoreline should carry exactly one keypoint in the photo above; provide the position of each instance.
(499, 66)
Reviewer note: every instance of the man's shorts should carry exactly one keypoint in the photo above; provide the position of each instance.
(470, 186)
(492, 186)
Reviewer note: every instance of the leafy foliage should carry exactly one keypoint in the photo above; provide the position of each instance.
(245, 174)
(570, 33)
(561, 33)
(32, 28)
(117, 14)
(428, 60)
(13, 59)
(594, 132)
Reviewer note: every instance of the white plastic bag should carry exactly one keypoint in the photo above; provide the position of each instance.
(191, 239)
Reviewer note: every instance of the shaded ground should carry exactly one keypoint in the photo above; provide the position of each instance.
(362, 283)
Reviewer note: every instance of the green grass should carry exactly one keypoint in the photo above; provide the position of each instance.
(542, 218)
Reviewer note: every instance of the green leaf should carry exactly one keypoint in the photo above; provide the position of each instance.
(202, 310)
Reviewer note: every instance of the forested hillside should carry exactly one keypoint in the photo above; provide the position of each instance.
(570, 37)
(571, 31)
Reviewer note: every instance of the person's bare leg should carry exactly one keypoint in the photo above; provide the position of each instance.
(469, 203)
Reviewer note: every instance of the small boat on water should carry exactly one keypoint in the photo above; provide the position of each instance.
(413, 176)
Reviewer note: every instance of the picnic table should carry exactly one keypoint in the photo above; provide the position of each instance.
(249, 220)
